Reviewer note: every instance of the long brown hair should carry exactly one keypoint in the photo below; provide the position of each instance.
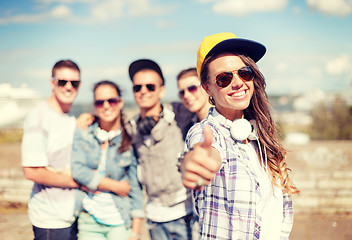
(259, 109)
(126, 139)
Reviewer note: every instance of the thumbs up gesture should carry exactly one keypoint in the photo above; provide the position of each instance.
(200, 165)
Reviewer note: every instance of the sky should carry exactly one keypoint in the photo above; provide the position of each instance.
(309, 42)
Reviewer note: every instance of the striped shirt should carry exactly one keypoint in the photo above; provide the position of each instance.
(100, 204)
(228, 207)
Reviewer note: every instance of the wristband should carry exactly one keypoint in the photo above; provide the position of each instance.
(180, 159)
(135, 235)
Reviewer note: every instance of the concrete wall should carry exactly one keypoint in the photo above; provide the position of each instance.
(13, 186)
(321, 170)
(323, 173)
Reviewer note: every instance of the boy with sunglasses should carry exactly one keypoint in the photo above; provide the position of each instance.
(157, 136)
(46, 157)
(191, 93)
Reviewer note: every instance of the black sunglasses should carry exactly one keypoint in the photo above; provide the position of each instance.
(225, 78)
(62, 83)
(191, 89)
(138, 87)
(112, 102)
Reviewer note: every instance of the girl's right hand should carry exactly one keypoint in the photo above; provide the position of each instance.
(122, 188)
(200, 165)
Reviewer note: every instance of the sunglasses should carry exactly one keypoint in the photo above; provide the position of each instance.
(62, 83)
(112, 102)
(191, 89)
(225, 78)
(138, 87)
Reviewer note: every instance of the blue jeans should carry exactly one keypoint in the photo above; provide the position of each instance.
(69, 233)
(179, 229)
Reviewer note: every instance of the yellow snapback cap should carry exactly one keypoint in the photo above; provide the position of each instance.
(223, 42)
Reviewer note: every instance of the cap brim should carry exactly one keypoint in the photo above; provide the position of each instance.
(250, 48)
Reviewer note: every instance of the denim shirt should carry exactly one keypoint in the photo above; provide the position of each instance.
(86, 155)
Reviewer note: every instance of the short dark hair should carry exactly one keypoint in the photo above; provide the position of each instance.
(189, 71)
(65, 64)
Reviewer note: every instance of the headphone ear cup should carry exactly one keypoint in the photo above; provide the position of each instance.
(240, 129)
(102, 135)
(146, 125)
(253, 135)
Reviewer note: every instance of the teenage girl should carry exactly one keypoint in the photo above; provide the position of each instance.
(234, 160)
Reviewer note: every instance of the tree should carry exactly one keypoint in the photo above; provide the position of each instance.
(332, 121)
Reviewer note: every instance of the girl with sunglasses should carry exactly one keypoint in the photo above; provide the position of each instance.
(104, 163)
(234, 160)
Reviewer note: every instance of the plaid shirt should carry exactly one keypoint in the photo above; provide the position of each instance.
(228, 206)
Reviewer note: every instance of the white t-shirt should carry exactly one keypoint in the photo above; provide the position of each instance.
(47, 142)
(159, 213)
(271, 202)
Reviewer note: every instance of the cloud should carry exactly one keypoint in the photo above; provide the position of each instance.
(16, 55)
(244, 7)
(23, 18)
(109, 72)
(111, 9)
(107, 10)
(281, 67)
(64, 1)
(164, 48)
(315, 72)
(138, 8)
(339, 65)
(61, 12)
(339, 8)
(205, 1)
(98, 11)
(166, 24)
(297, 10)
(36, 73)
(296, 72)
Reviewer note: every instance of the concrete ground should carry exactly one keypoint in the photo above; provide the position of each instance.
(14, 225)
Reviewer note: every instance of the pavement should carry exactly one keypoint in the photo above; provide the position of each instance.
(15, 225)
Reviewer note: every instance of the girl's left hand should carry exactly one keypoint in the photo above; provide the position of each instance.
(135, 236)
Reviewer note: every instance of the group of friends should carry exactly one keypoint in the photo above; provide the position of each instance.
(208, 167)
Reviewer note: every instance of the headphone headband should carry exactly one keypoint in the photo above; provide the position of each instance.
(240, 129)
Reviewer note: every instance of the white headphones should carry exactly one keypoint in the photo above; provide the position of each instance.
(104, 136)
(241, 129)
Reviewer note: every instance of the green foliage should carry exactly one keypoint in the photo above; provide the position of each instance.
(281, 129)
(331, 121)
